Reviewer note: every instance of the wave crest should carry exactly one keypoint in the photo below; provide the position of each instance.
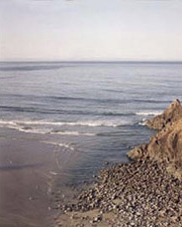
(149, 113)
(51, 123)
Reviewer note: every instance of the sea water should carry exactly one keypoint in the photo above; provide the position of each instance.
(96, 110)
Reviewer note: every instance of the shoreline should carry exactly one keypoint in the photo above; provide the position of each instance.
(28, 172)
(141, 193)
(136, 194)
(34, 176)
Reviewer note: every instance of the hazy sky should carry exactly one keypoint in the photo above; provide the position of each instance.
(91, 30)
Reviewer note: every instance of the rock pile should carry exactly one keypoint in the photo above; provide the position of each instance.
(137, 194)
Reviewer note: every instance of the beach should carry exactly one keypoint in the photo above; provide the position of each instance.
(136, 194)
(37, 187)
(90, 113)
(28, 171)
(61, 123)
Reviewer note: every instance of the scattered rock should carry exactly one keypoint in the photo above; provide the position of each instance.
(146, 195)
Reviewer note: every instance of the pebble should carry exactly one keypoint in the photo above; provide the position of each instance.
(146, 195)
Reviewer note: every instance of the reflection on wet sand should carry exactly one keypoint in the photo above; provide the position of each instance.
(28, 170)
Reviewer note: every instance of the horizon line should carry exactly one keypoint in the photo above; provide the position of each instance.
(91, 61)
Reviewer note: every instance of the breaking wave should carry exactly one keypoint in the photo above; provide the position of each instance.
(74, 133)
(149, 113)
(98, 123)
(58, 128)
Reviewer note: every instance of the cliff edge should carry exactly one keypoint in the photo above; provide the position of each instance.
(166, 145)
(170, 115)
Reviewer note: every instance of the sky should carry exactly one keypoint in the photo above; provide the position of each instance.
(91, 30)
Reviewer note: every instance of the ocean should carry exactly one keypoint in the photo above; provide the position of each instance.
(94, 110)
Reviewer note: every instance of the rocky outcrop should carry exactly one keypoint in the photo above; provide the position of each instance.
(166, 145)
(170, 115)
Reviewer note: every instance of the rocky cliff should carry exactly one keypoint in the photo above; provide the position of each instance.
(170, 115)
(166, 145)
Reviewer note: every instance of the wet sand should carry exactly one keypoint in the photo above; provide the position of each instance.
(28, 170)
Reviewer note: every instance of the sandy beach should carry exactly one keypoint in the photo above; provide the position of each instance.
(28, 171)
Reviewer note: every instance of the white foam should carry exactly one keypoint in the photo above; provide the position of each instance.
(4, 123)
(78, 123)
(65, 145)
(33, 130)
(74, 133)
(53, 173)
(143, 123)
(149, 113)
(100, 123)
(22, 128)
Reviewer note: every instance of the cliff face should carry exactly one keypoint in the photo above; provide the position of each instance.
(170, 115)
(166, 145)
